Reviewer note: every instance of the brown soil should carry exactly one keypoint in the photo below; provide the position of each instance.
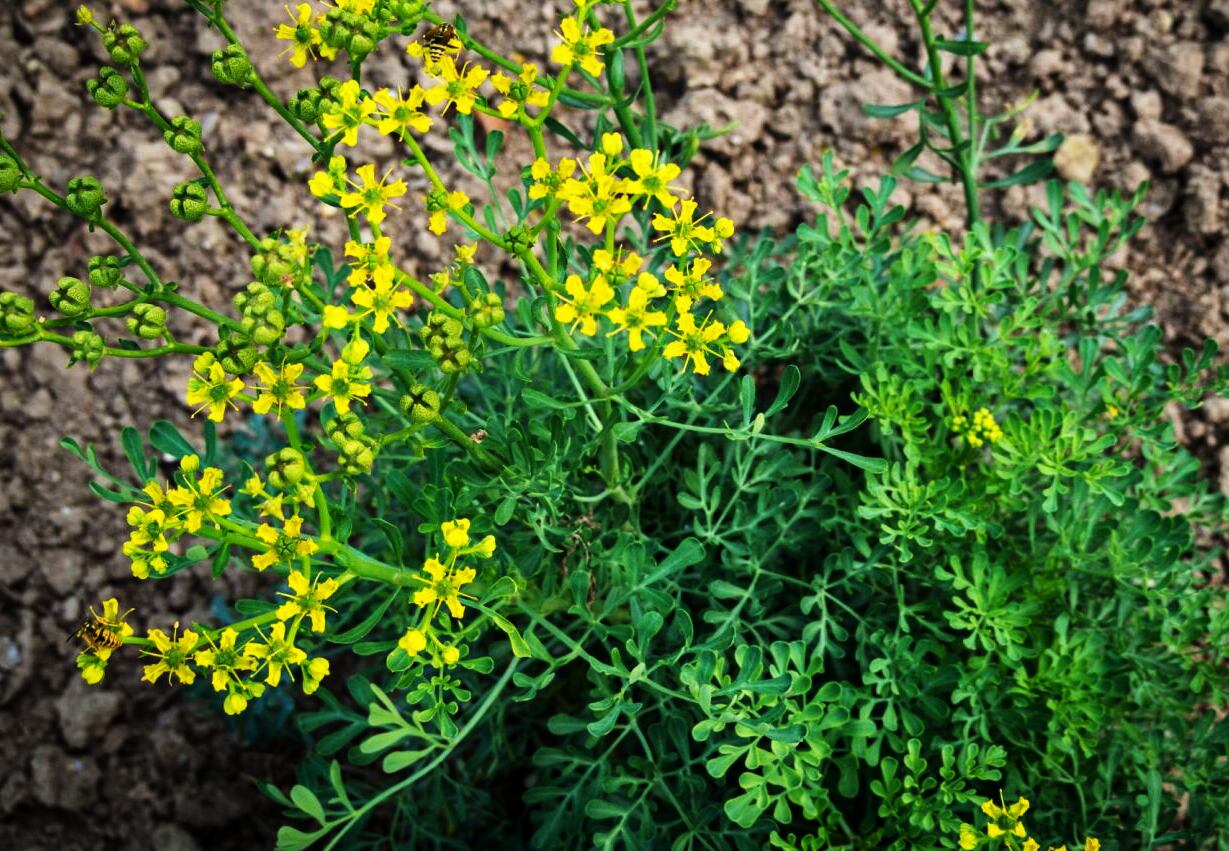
(133, 766)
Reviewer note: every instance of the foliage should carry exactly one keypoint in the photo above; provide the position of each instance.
(927, 534)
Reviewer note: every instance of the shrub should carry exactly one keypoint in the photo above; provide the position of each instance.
(548, 576)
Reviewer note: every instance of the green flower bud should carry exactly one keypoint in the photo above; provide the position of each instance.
(356, 457)
(265, 330)
(305, 105)
(16, 315)
(440, 328)
(232, 67)
(421, 404)
(124, 44)
(256, 299)
(354, 33)
(328, 87)
(85, 196)
(452, 355)
(184, 136)
(286, 468)
(87, 348)
(409, 13)
(189, 201)
(109, 89)
(236, 353)
(277, 263)
(344, 427)
(71, 296)
(105, 272)
(148, 321)
(487, 310)
(518, 239)
(10, 174)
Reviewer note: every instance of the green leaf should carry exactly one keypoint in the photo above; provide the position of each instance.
(595, 808)
(360, 630)
(746, 396)
(504, 586)
(961, 48)
(875, 110)
(1031, 173)
(605, 724)
(134, 449)
(791, 378)
(401, 760)
(519, 648)
(164, 437)
(292, 839)
(305, 799)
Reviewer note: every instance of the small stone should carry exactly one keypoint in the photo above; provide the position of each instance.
(172, 837)
(1102, 14)
(1217, 410)
(1077, 158)
(85, 712)
(1202, 207)
(1164, 143)
(1220, 263)
(1146, 105)
(63, 781)
(1179, 69)
(1214, 118)
(62, 570)
(1046, 63)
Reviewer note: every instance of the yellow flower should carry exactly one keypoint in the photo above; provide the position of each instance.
(224, 660)
(413, 642)
(968, 837)
(371, 196)
(696, 343)
(346, 384)
(200, 500)
(486, 547)
(284, 546)
(172, 654)
(349, 112)
(370, 262)
(994, 831)
(275, 654)
(1091, 844)
(314, 672)
(690, 284)
(150, 528)
(381, 300)
(458, 87)
(652, 177)
(1031, 844)
(438, 204)
(456, 532)
(450, 655)
(307, 600)
(330, 182)
(635, 318)
(597, 197)
(400, 114)
(280, 388)
(580, 48)
(682, 230)
(585, 305)
(548, 182)
(519, 92)
(612, 144)
(144, 561)
(208, 387)
(302, 36)
(442, 586)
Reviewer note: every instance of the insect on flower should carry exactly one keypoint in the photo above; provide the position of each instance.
(439, 40)
(99, 633)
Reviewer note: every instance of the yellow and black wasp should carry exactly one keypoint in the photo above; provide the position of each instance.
(439, 40)
(98, 633)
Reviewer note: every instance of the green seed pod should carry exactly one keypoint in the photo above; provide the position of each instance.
(232, 67)
(16, 315)
(87, 348)
(518, 239)
(85, 196)
(487, 310)
(452, 355)
(421, 404)
(105, 272)
(236, 353)
(286, 468)
(109, 89)
(344, 427)
(328, 87)
(124, 43)
(440, 328)
(10, 174)
(409, 13)
(265, 330)
(305, 104)
(71, 296)
(189, 201)
(614, 70)
(148, 321)
(356, 457)
(256, 299)
(360, 44)
(184, 137)
(277, 263)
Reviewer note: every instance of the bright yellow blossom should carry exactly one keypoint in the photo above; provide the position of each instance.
(345, 384)
(683, 231)
(275, 653)
(284, 546)
(380, 301)
(333, 181)
(303, 37)
(200, 500)
(281, 388)
(370, 262)
(579, 47)
(652, 177)
(400, 114)
(696, 343)
(635, 318)
(371, 195)
(691, 284)
(585, 304)
(224, 660)
(438, 204)
(307, 600)
(208, 387)
(456, 533)
(519, 92)
(172, 653)
(459, 88)
(596, 196)
(349, 112)
(547, 182)
(442, 586)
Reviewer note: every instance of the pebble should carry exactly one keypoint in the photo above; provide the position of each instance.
(1077, 158)
(85, 712)
(1163, 143)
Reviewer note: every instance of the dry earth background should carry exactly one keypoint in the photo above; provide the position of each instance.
(127, 766)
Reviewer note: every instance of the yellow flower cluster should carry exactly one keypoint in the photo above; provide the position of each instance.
(93, 660)
(1004, 827)
(169, 514)
(600, 198)
(983, 428)
(440, 585)
(374, 288)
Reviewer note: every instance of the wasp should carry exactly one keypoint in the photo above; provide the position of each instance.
(99, 633)
(440, 40)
